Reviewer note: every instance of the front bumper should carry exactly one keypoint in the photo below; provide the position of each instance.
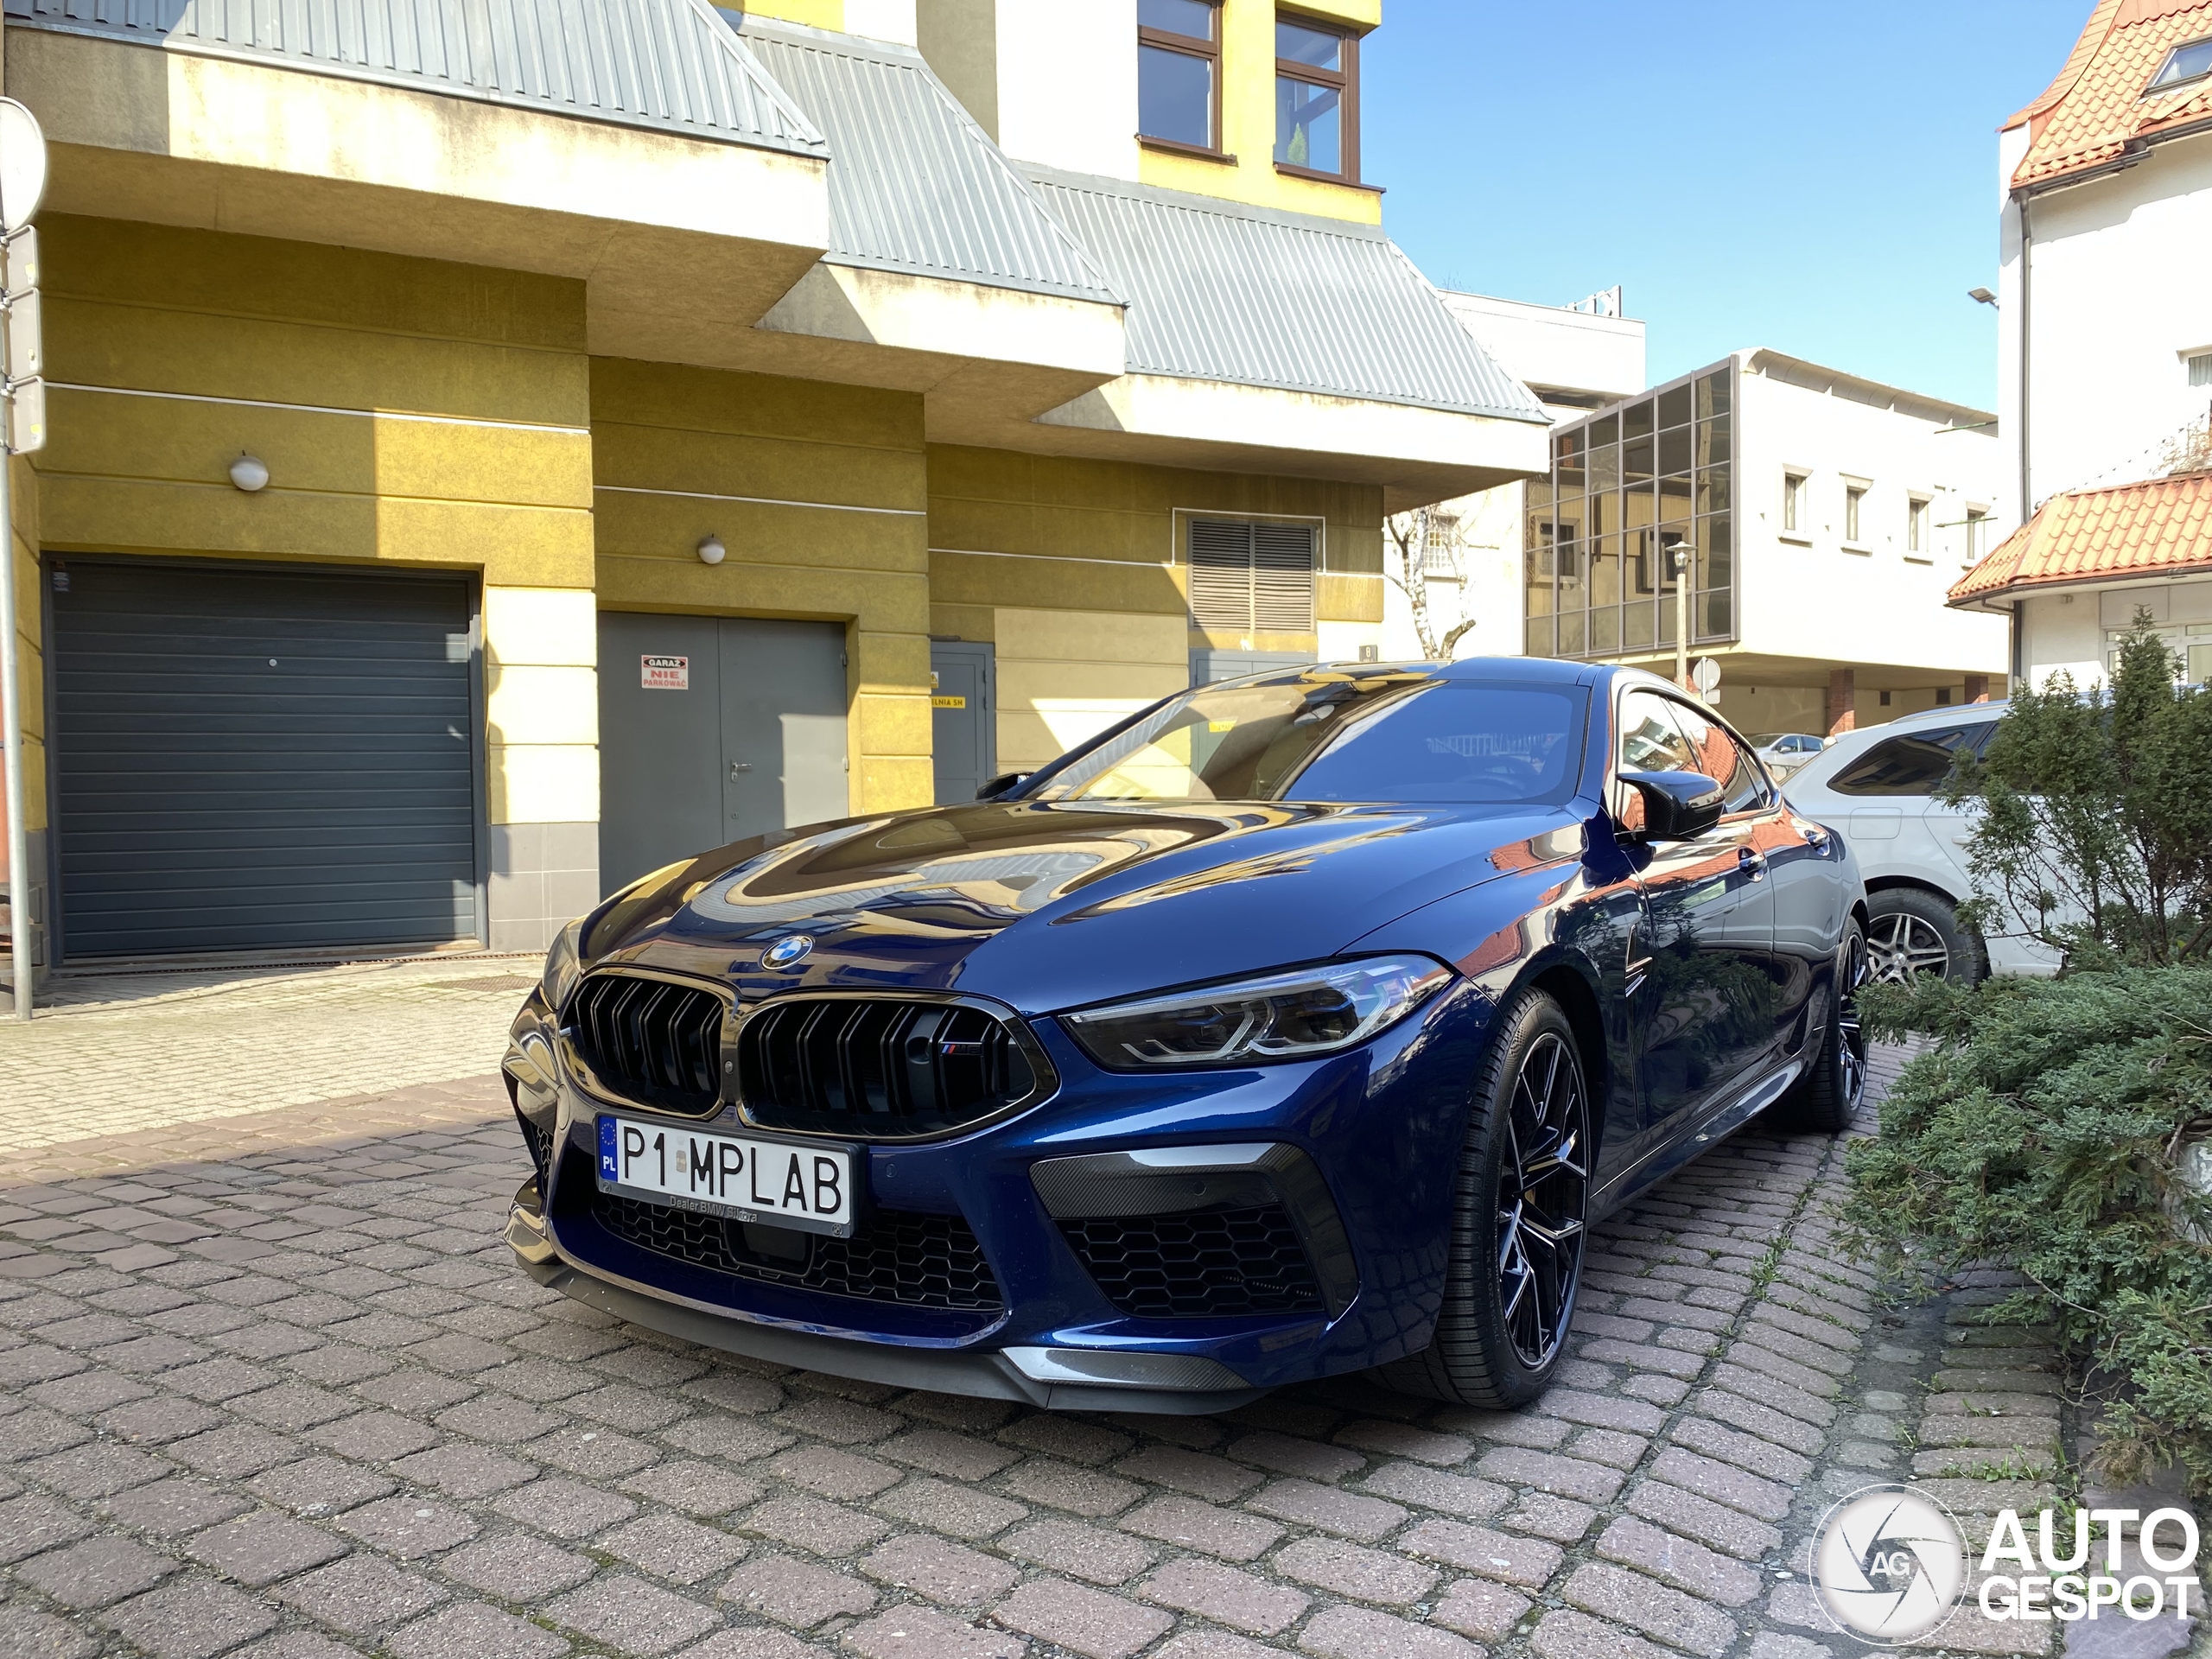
(1378, 1129)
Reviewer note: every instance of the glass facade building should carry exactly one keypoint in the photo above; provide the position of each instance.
(1629, 486)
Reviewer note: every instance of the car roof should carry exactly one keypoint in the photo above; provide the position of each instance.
(1944, 714)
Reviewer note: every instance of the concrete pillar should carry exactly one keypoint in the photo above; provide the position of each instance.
(1977, 688)
(1843, 700)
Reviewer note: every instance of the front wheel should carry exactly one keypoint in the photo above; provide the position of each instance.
(1826, 1098)
(1518, 1219)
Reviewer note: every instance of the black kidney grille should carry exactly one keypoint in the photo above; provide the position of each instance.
(1207, 1261)
(895, 1256)
(878, 1066)
(658, 1043)
(540, 1141)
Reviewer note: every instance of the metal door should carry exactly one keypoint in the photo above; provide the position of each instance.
(963, 716)
(783, 703)
(261, 757)
(712, 730)
(661, 729)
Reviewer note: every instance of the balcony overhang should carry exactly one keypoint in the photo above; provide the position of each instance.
(675, 236)
(1416, 455)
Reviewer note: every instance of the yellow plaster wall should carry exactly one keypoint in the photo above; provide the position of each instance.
(1247, 120)
(833, 529)
(1070, 567)
(411, 411)
(820, 14)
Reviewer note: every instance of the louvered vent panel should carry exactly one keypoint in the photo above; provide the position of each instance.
(1282, 578)
(1221, 575)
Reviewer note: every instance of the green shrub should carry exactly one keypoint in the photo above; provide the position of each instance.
(2093, 812)
(2043, 1132)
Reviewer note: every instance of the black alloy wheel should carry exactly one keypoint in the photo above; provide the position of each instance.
(1827, 1097)
(1543, 1183)
(1519, 1219)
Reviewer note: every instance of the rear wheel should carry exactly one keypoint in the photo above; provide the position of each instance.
(1518, 1220)
(1826, 1098)
(1912, 933)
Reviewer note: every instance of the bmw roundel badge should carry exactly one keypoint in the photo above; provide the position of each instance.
(786, 951)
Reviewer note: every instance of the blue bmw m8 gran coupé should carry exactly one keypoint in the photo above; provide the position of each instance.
(1298, 1025)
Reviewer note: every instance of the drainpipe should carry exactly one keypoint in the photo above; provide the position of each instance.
(20, 950)
(2027, 286)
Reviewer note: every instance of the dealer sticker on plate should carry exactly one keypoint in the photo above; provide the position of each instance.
(809, 1188)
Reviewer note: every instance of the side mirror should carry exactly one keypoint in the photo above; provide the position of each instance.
(999, 785)
(1677, 806)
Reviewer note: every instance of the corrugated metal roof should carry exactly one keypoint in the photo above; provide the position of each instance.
(915, 184)
(1219, 291)
(672, 65)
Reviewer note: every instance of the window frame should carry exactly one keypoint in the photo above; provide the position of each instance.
(1190, 47)
(2159, 85)
(1975, 523)
(1854, 512)
(1793, 502)
(1916, 526)
(1346, 83)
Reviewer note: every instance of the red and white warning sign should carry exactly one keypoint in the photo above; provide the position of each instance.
(664, 673)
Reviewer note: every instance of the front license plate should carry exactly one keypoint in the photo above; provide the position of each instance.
(809, 1188)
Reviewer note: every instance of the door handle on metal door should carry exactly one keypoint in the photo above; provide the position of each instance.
(1751, 863)
(736, 767)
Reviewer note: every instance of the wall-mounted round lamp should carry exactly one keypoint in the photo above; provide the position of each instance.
(711, 550)
(250, 472)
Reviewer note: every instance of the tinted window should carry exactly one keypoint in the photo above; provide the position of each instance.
(1326, 736)
(1721, 758)
(1913, 764)
(1650, 740)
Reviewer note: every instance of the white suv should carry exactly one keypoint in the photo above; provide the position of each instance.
(1876, 789)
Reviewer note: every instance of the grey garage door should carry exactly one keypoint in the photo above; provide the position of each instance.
(261, 759)
(712, 730)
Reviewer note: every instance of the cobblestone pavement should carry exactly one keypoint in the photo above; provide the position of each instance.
(111, 1053)
(270, 1385)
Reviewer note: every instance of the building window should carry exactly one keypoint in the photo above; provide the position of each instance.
(2200, 369)
(1179, 74)
(1977, 534)
(1916, 525)
(1251, 578)
(1942, 696)
(1793, 504)
(1854, 498)
(1317, 106)
(2191, 60)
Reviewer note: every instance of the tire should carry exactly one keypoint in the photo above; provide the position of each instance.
(1912, 932)
(1518, 1219)
(1826, 1099)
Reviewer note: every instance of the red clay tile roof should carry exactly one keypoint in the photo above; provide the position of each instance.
(2095, 108)
(2160, 527)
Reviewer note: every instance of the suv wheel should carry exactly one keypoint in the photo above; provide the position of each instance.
(1911, 932)
(1518, 1219)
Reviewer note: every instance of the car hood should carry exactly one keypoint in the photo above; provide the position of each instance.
(1053, 905)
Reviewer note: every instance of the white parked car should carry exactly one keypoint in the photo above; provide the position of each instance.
(1784, 752)
(1876, 789)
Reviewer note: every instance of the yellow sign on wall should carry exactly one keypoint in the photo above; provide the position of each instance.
(948, 702)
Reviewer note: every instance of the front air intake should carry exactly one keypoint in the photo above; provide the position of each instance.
(654, 1041)
(883, 1068)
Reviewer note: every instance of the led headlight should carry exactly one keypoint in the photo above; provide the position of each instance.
(562, 968)
(1286, 1016)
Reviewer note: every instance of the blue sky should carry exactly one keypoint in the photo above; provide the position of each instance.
(1820, 179)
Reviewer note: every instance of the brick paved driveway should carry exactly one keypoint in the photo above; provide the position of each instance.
(269, 1385)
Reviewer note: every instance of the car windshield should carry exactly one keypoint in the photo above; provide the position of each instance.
(1333, 735)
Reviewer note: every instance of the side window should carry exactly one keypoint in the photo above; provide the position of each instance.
(1721, 758)
(1912, 765)
(1649, 740)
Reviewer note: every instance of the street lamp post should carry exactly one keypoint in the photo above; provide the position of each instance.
(1682, 615)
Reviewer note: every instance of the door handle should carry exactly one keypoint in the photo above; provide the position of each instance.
(736, 767)
(1751, 863)
(1816, 838)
